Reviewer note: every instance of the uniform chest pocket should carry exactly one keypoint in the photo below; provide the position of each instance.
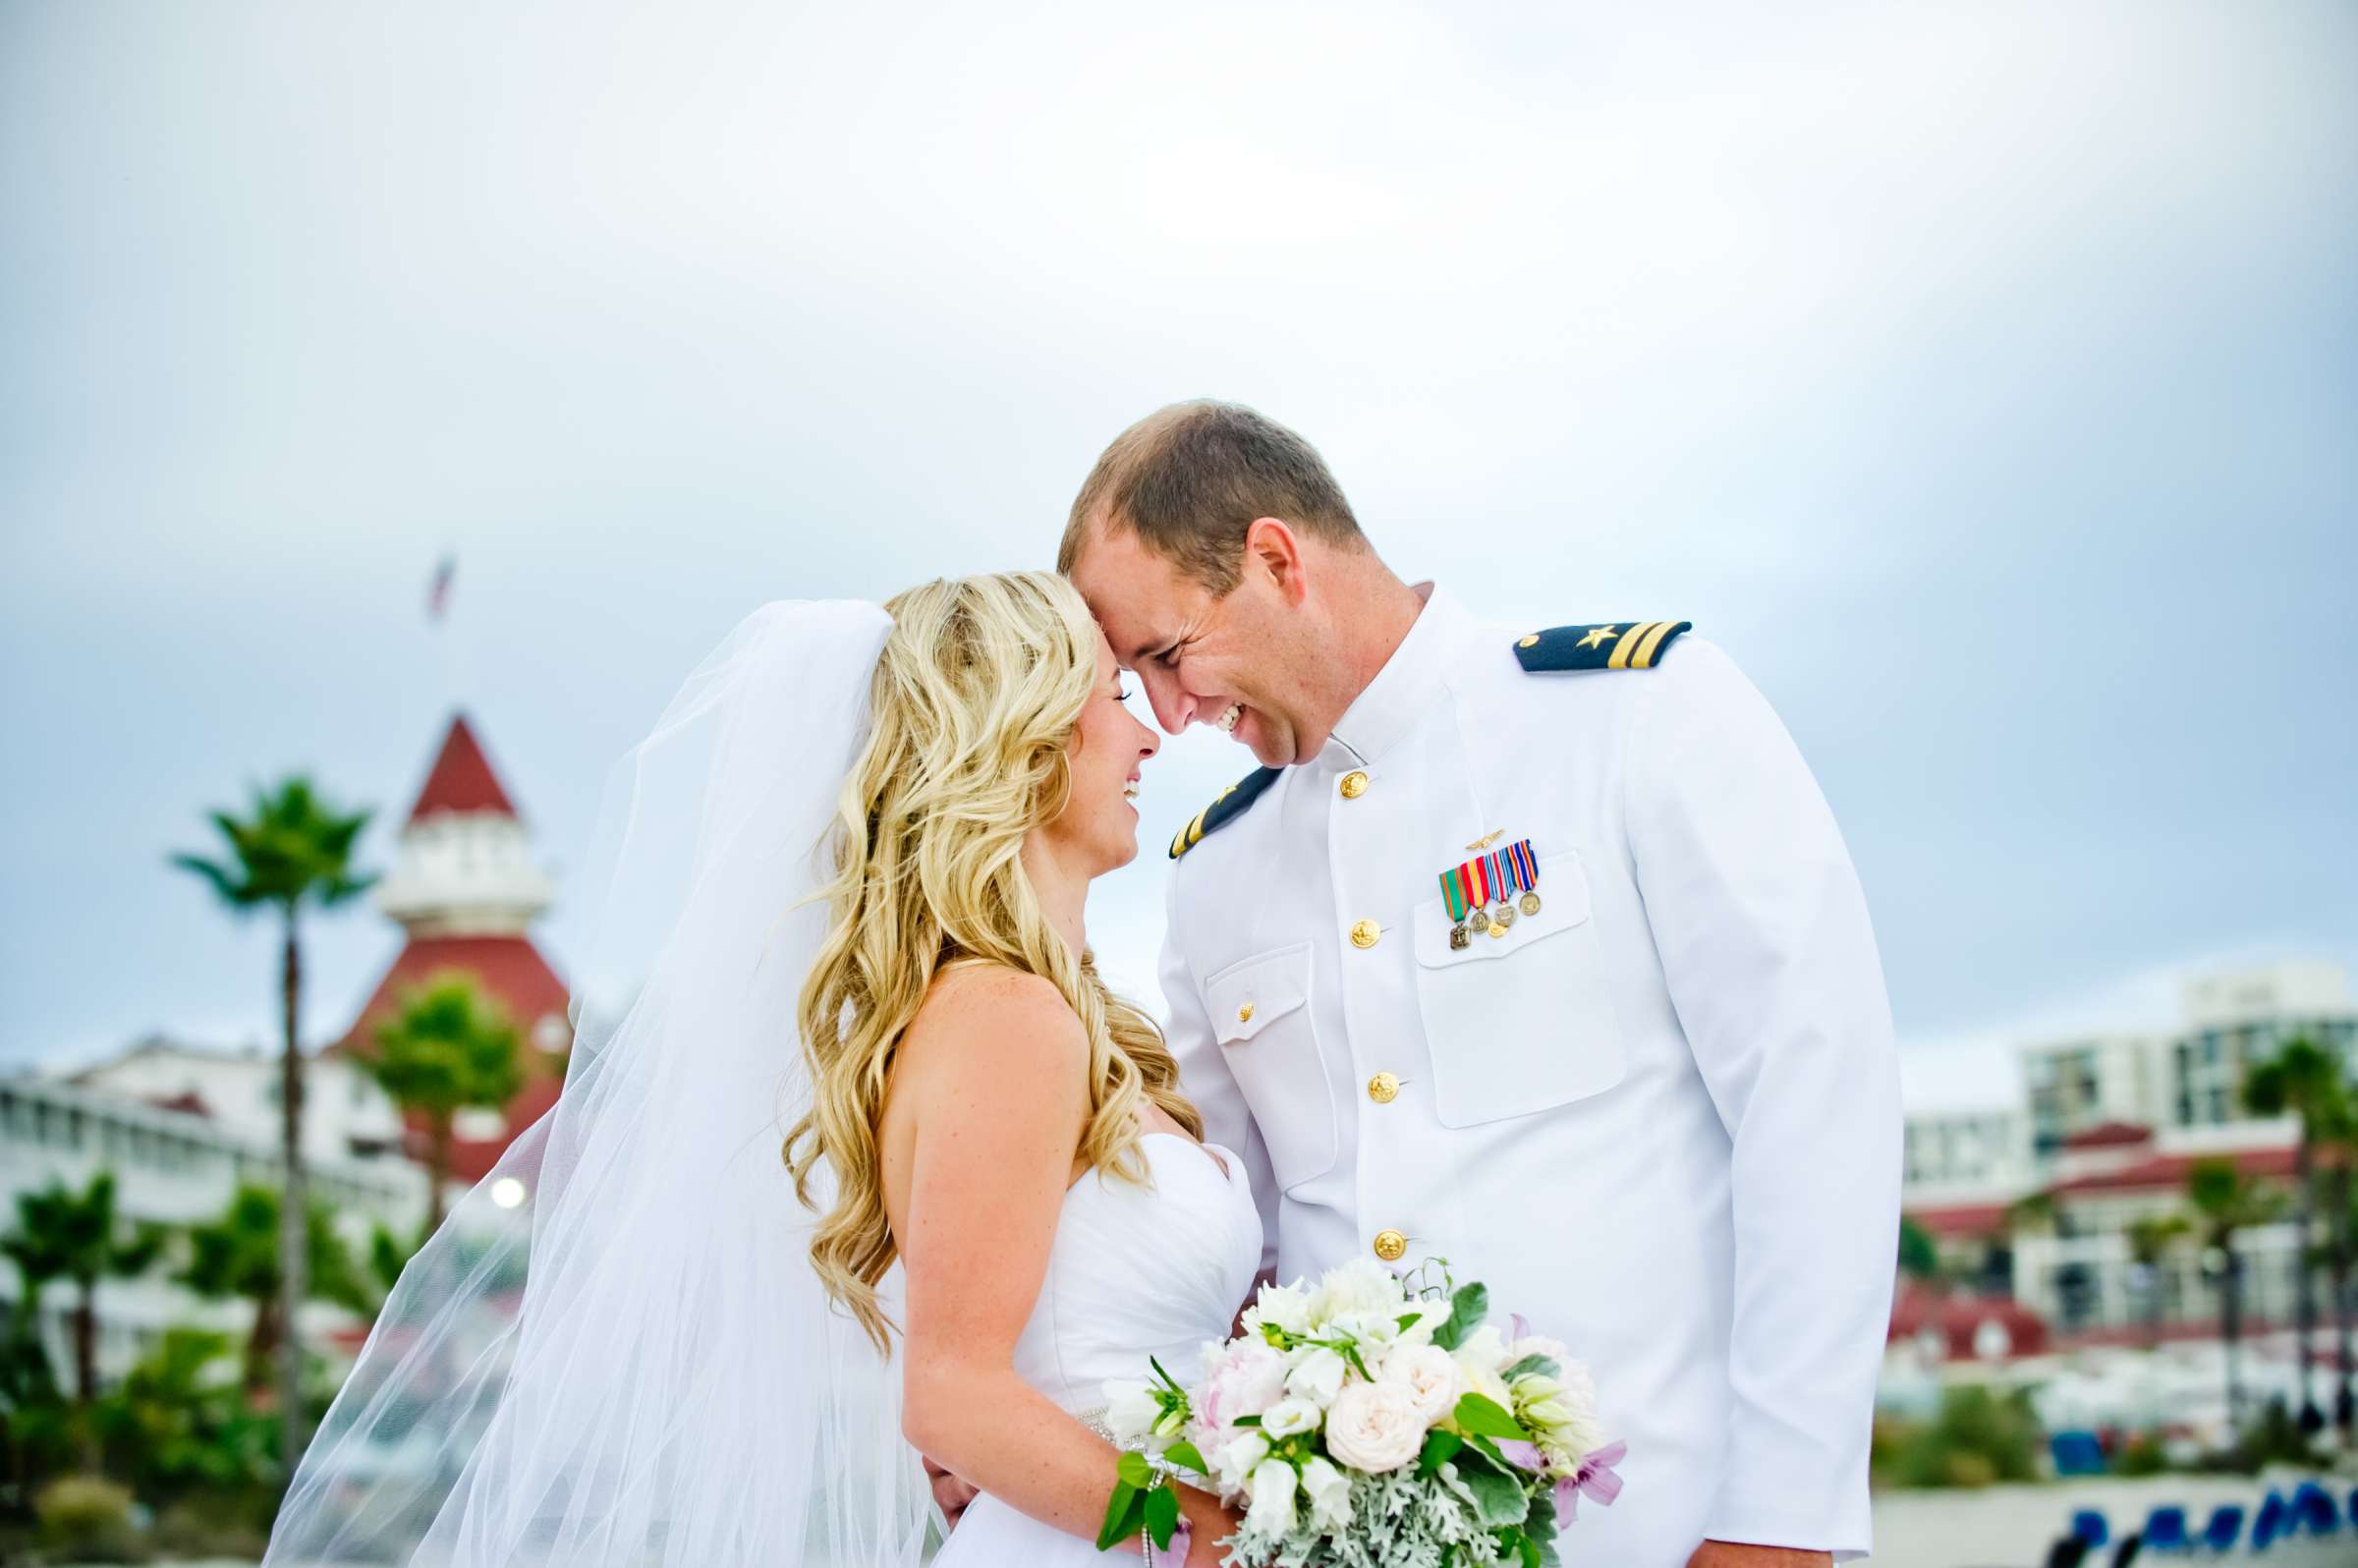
(1524, 1022)
(1260, 1016)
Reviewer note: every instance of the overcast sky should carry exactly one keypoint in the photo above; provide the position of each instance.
(1984, 376)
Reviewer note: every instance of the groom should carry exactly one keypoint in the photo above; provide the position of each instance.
(1535, 950)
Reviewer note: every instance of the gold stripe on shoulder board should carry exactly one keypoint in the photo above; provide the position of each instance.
(1643, 660)
(1628, 644)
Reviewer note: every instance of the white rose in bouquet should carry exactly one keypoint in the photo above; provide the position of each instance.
(1429, 1374)
(1374, 1428)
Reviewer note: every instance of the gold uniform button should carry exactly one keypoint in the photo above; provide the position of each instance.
(1390, 1245)
(1364, 934)
(1355, 784)
(1383, 1088)
(1243, 1014)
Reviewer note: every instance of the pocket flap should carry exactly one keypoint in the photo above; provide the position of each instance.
(1563, 904)
(1244, 998)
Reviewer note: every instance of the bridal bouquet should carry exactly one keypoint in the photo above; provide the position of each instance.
(1369, 1422)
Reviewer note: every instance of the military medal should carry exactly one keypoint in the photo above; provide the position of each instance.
(1527, 873)
(1502, 912)
(1453, 899)
(1479, 894)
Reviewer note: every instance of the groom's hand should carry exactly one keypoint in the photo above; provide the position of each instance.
(1732, 1554)
(950, 1494)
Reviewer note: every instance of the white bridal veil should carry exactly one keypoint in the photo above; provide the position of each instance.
(615, 1350)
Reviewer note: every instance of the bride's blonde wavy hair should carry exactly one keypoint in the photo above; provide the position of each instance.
(975, 698)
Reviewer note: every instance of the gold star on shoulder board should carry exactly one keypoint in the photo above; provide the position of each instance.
(1598, 636)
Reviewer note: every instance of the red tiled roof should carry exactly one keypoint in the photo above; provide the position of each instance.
(187, 1100)
(1957, 1315)
(2169, 1172)
(1962, 1219)
(2109, 1135)
(461, 779)
(511, 971)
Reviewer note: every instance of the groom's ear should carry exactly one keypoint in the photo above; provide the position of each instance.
(1273, 551)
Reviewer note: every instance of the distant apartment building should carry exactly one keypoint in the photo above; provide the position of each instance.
(2192, 1074)
(2110, 1125)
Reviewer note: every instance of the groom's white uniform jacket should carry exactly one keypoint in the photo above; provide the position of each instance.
(1659, 1118)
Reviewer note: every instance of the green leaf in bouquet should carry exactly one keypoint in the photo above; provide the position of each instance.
(1499, 1498)
(1544, 1365)
(1186, 1454)
(1467, 1309)
(1246, 1420)
(1440, 1446)
(1478, 1412)
(1539, 1522)
(1135, 1470)
(1118, 1526)
(1162, 1514)
(1529, 1549)
(1479, 1453)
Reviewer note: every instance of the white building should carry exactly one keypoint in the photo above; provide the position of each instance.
(2106, 1126)
(345, 1115)
(2190, 1075)
(173, 1167)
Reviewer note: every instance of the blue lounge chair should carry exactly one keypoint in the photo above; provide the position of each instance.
(2089, 1525)
(2269, 1524)
(2313, 1509)
(2165, 1529)
(2224, 1530)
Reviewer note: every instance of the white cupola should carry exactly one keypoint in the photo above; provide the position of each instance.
(465, 866)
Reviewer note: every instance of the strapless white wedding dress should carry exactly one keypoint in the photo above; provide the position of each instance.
(1134, 1272)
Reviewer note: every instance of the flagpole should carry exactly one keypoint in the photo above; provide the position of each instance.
(437, 615)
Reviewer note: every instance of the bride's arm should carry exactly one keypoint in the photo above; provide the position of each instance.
(996, 1068)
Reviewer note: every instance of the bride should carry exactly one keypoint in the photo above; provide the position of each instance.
(856, 1150)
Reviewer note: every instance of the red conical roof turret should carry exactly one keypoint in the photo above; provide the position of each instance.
(461, 779)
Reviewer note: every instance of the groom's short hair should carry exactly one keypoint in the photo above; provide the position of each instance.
(1188, 481)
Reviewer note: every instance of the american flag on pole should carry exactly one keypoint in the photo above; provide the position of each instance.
(437, 593)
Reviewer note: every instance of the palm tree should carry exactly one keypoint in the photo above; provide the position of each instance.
(237, 1255)
(2228, 1203)
(293, 852)
(2152, 1237)
(2341, 1219)
(79, 1237)
(2304, 1082)
(448, 1047)
(1918, 1254)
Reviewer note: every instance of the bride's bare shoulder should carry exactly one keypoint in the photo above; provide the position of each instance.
(984, 1017)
